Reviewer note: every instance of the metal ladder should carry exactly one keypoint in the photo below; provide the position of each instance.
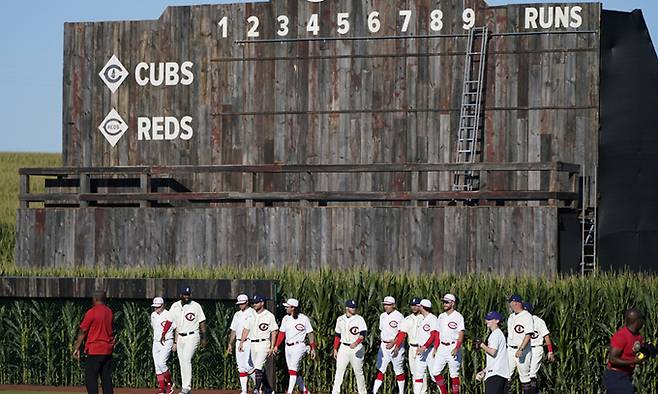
(468, 136)
(587, 217)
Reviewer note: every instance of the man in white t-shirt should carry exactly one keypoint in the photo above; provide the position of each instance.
(496, 373)
(242, 359)
(163, 343)
(389, 327)
(520, 329)
(451, 334)
(261, 331)
(539, 336)
(295, 326)
(350, 332)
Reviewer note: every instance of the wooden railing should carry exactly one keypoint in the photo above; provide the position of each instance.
(83, 177)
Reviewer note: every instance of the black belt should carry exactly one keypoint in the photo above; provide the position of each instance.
(413, 344)
(258, 340)
(294, 343)
(184, 334)
(447, 343)
(346, 344)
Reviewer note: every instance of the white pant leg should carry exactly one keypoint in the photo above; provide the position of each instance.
(398, 361)
(535, 363)
(356, 359)
(243, 358)
(440, 360)
(511, 361)
(294, 356)
(161, 355)
(383, 358)
(413, 357)
(342, 360)
(454, 363)
(523, 364)
(259, 354)
(186, 347)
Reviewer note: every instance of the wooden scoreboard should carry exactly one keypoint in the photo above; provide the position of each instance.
(322, 134)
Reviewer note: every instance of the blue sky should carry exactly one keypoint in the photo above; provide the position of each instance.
(31, 42)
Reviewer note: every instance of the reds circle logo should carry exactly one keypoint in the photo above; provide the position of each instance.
(190, 316)
(393, 324)
(300, 327)
(354, 330)
(518, 329)
(426, 327)
(263, 326)
(452, 325)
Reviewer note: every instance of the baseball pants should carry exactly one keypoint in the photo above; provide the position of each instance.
(243, 358)
(423, 361)
(535, 363)
(522, 364)
(294, 355)
(354, 357)
(186, 347)
(385, 356)
(413, 356)
(259, 353)
(161, 355)
(444, 357)
(98, 365)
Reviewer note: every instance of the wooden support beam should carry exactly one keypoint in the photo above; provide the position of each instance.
(24, 188)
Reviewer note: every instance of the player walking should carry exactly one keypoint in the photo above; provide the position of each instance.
(350, 331)
(389, 326)
(539, 336)
(428, 340)
(163, 342)
(261, 332)
(519, 332)
(409, 328)
(191, 331)
(242, 359)
(451, 332)
(294, 328)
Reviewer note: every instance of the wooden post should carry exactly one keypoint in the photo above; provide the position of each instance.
(145, 188)
(250, 184)
(24, 190)
(84, 189)
(415, 179)
(553, 183)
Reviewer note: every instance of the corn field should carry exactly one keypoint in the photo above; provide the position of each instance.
(37, 336)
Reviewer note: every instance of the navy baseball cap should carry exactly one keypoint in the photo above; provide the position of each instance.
(527, 306)
(350, 304)
(414, 301)
(258, 298)
(185, 289)
(515, 298)
(493, 315)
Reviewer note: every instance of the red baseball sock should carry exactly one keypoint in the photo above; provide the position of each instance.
(167, 377)
(161, 382)
(454, 382)
(441, 384)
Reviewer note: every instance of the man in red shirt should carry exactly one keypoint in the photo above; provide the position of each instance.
(96, 326)
(622, 359)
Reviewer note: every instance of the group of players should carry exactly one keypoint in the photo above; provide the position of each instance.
(432, 343)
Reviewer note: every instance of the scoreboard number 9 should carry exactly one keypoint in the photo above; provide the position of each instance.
(343, 23)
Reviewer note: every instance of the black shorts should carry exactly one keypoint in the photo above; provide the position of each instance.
(617, 382)
(495, 385)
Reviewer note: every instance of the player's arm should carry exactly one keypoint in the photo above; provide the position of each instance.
(203, 332)
(311, 343)
(165, 330)
(458, 343)
(549, 346)
(615, 358)
(492, 351)
(231, 339)
(243, 338)
(82, 334)
(273, 338)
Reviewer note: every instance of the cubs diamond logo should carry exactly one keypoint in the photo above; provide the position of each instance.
(113, 127)
(113, 74)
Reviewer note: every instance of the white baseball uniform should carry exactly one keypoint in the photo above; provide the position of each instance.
(389, 326)
(161, 352)
(187, 318)
(537, 343)
(349, 329)
(296, 331)
(260, 329)
(410, 326)
(450, 325)
(518, 326)
(243, 359)
(425, 359)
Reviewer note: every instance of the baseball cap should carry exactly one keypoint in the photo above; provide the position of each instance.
(258, 298)
(425, 303)
(414, 301)
(515, 298)
(493, 315)
(388, 300)
(185, 289)
(449, 297)
(527, 306)
(291, 302)
(350, 304)
(242, 299)
(157, 301)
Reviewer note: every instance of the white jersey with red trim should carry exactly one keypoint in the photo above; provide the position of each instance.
(427, 325)
(389, 325)
(158, 321)
(296, 329)
(240, 319)
(450, 325)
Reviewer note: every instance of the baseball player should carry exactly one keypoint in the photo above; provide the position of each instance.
(539, 335)
(428, 340)
(451, 332)
(409, 328)
(191, 331)
(163, 342)
(519, 332)
(243, 359)
(261, 332)
(350, 332)
(295, 327)
(389, 326)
